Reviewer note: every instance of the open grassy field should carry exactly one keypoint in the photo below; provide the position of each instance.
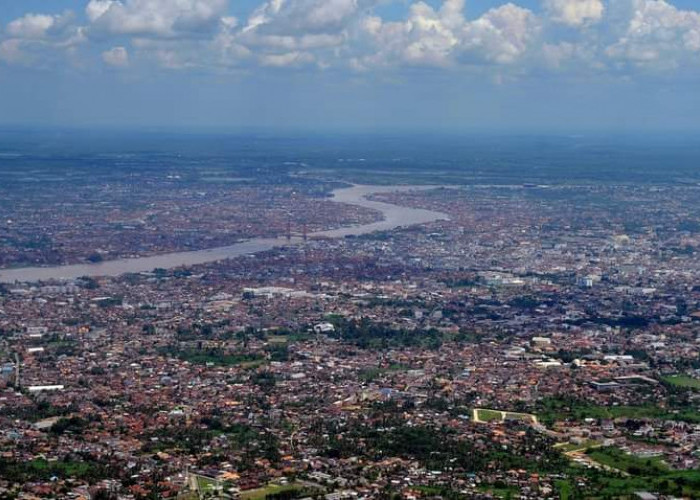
(270, 489)
(607, 484)
(617, 459)
(489, 415)
(206, 484)
(555, 410)
(571, 447)
(683, 381)
(486, 415)
(41, 469)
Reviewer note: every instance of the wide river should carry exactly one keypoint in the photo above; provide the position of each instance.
(393, 216)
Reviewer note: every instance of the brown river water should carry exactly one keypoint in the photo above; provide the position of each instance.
(393, 216)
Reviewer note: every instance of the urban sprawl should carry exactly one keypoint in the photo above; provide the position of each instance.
(541, 343)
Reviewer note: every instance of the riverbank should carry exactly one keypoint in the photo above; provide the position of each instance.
(393, 216)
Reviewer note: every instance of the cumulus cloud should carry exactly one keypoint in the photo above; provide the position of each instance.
(295, 17)
(156, 18)
(575, 36)
(97, 8)
(427, 37)
(29, 38)
(444, 37)
(116, 56)
(31, 26)
(301, 32)
(502, 35)
(658, 35)
(39, 26)
(575, 12)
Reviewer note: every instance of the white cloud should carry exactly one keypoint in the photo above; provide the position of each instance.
(31, 26)
(297, 17)
(575, 12)
(40, 38)
(444, 37)
(502, 35)
(96, 8)
(427, 37)
(39, 26)
(156, 18)
(294, 33)
(117, 57)
(658, 35)
(430, 36)
(226, 47)
(618, 36)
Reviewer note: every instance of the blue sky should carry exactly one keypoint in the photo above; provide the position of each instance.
(558, 65)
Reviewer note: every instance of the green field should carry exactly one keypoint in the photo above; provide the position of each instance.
(649, 474)
(617, 459)
(489, 415)
(569, 447)
(603, 485)
(525, 417)
(270, 489)
(486, 415)
(206, 484)
(40, 469)
(683, 381)
(215, 357)
(556, 410)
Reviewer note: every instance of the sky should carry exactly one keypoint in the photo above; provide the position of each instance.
(540, 65)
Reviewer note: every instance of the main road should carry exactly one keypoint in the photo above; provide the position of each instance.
(393, 216)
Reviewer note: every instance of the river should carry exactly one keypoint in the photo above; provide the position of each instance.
(393, 216)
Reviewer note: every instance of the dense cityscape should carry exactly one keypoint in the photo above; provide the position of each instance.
(537, 340)
(350, 250)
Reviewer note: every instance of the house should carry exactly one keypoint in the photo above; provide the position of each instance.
(324, 328)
